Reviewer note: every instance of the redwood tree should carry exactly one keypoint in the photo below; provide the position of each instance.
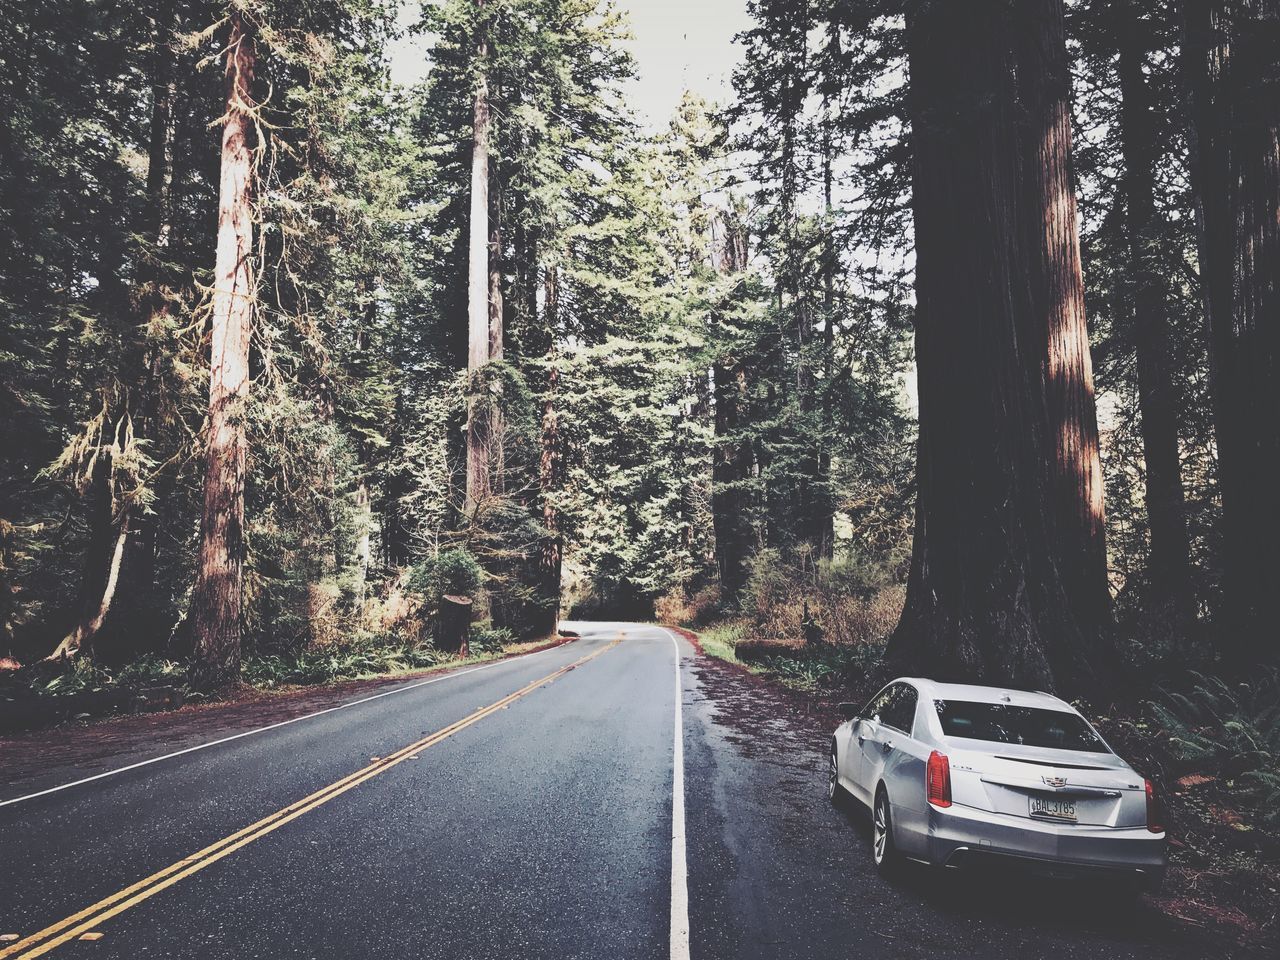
(1170, 597)
(1232, 65)
(478, 280)
(217, 596)
(1007, 580)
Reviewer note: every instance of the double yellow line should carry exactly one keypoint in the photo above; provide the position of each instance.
(52, 937)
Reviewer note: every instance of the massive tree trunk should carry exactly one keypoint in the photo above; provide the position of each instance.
(218, 592)
(478, 335)
(1170, 602)
(1007, 450)
(1055, 327)
(1232, 55)
(732, 460)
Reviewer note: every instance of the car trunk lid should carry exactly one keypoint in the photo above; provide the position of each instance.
(1061, 786)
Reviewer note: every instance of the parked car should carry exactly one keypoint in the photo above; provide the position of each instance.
(954, 773)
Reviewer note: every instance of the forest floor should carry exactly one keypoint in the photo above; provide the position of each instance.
(1224, 874)
(89, 744)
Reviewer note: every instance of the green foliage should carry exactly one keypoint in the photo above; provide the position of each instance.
(1231, 731)
(449, 572)
(487, 639)
(366, 658)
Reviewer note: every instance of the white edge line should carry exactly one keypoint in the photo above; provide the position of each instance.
(273, 726)
(679, 862)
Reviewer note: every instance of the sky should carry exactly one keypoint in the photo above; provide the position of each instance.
(678, 45)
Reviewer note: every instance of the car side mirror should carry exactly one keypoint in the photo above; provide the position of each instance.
(849, 711)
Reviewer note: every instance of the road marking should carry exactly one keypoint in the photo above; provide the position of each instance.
(679, 862)
(273, 726)
(92, 916)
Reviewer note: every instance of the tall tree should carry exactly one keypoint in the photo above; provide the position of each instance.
(1054, 328)
(1231, 54)
(1171, 599)
(732, 458)
(217, 597)
(479, 437)
(1006, 469)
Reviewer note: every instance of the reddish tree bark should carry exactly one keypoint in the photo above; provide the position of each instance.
(1231, 61)
(1008, 500)
(1056, 331)
(218, 592)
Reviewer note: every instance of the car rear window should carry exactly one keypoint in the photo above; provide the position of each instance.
(1028, 726)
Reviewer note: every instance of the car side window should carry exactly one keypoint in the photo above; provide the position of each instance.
(876, 705)
(901, 712)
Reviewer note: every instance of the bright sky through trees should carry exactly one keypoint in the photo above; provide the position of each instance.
(678, 45)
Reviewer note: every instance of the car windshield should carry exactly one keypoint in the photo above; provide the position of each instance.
(1027, 726)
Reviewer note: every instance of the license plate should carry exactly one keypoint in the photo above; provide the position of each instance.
(1054, 808)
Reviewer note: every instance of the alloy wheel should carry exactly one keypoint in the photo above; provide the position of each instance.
(880, 829)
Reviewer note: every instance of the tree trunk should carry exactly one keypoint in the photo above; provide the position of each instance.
(478, 438)
(1231, 57)
(497, 464)
(218, 592)
(551, 551)
(1057, 329)
(830, 260)
(453, 625)
(1171, 602)
(987, 596)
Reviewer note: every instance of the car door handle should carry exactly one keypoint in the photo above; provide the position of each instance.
(887, 746)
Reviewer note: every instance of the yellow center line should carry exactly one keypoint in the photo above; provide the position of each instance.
(85, 920)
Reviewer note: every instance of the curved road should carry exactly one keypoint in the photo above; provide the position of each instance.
(564, 804)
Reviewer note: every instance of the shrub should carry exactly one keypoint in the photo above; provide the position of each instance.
(448, 572)
(1231, 732)
(486, 638)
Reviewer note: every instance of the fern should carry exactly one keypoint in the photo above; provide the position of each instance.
(1233, 730)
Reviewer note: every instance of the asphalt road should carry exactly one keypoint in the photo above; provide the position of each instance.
(540, 807)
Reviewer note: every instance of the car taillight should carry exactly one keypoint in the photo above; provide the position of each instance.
(1155, 810)
(938, 780)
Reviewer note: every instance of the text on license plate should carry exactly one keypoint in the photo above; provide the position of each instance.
(1055, 808)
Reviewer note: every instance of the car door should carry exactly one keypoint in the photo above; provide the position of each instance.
(879, 737)
(866, 724)
(902, 769)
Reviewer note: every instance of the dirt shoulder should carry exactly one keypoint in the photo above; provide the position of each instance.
(90, 746)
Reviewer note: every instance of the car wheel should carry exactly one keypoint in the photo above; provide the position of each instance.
(835, 792)
(882, 847)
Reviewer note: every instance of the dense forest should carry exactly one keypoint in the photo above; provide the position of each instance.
(955, 332)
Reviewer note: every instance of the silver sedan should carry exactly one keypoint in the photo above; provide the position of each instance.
(954, 773)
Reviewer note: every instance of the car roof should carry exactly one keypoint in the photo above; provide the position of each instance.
(980, 694)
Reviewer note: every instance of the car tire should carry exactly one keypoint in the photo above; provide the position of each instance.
(883, 850)
(835, 793)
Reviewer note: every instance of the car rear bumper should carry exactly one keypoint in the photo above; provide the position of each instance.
(961, 835)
